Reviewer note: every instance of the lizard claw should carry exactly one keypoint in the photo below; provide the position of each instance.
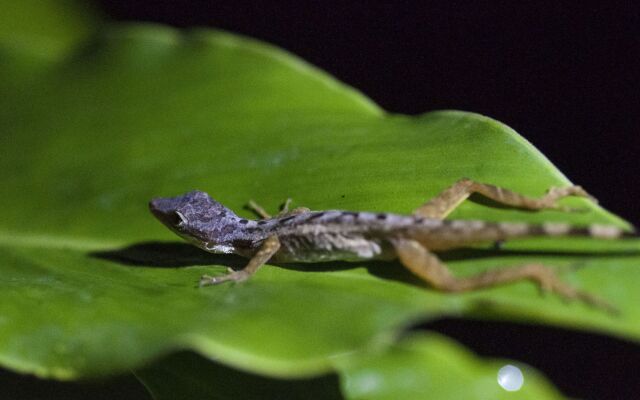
(206, 280)
(579, 191)
(556, 193)
(235, 276)
(573, 267)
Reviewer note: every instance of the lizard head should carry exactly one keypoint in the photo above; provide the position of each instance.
(194, 216)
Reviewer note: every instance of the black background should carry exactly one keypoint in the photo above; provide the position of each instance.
(562, 74)
(565, 76)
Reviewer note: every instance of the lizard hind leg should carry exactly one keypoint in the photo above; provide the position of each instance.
(450, 198)
(284, 211)
(431, 269)
(257, 208)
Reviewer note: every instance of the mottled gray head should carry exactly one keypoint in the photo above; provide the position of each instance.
(195, 216)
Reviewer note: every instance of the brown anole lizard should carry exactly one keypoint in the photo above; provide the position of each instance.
(302, 235)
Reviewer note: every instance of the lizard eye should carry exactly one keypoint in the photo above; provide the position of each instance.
(179, 219)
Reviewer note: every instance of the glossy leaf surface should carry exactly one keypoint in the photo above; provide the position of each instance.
(91, 284)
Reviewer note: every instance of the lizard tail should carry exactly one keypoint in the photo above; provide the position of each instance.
(562, 229)
(454, 234)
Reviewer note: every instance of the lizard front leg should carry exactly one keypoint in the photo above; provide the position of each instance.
(269, 247)
(429, 268)
(445, 202)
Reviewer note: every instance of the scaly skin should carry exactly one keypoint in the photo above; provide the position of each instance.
(316, 236)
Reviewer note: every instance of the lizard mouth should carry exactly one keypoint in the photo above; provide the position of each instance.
(164, 210)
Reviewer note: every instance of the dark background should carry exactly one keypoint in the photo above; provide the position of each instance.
(565, 76)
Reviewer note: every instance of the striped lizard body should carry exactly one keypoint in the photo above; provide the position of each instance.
(302, 235)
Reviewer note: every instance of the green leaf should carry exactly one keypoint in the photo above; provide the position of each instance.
(434, 367)
(37, 34)
(45, 28)
(418, 367)
(91, 284)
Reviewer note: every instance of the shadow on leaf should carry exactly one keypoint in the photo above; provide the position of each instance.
(167, 255)
(177, 254)
(186, 375)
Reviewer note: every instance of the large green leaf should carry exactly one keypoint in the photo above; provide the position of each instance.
(433, 367)
(47, 29)
(35, 34)
(91, 284)
(418, 367)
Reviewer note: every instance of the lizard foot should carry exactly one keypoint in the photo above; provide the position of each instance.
(234, 276)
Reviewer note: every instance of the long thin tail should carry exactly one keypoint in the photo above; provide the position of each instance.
(562, 229)
(451, 234)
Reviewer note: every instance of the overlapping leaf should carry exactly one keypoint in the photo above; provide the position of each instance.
(418, 367)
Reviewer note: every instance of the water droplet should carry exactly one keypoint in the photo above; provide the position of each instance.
(510, 378)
